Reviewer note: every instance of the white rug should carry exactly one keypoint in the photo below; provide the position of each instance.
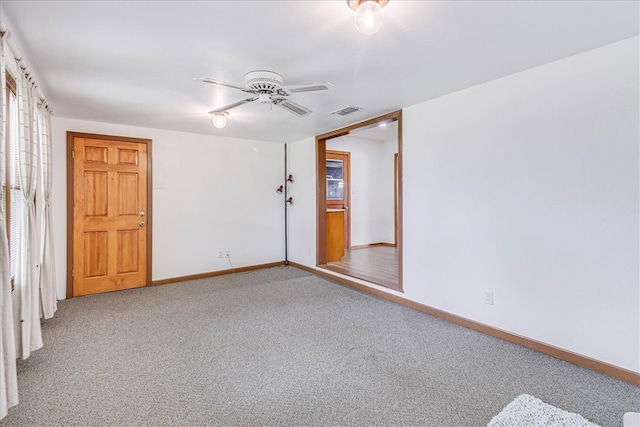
(529, 411)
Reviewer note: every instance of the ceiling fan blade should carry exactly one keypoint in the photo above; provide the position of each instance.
(310, 87)
(292, 107)
(221, 83)
(234, 105)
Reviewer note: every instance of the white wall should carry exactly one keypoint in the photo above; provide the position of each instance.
(371, 189)
(219, 195)
(385, 208)
(302, 214)
(528, 186)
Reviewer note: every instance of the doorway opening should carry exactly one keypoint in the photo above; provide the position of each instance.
(369, 215)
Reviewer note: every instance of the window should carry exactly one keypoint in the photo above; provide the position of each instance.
(335, 183)
(11, 193)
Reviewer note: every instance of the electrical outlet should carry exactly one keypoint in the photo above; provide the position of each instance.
(488, 297)
(220, 254)
(227, 254)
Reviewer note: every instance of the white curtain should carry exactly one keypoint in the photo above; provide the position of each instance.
(8, 377)
(27, 286)
(47, 264)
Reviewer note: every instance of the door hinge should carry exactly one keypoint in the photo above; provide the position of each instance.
(73, 154)
(73, 273)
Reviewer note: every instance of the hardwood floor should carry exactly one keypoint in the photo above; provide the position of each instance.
(375, 264)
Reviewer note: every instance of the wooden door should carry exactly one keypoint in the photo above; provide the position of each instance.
(339, 187)
(110, 213)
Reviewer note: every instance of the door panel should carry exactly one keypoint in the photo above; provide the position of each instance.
(128, 198)
(95, 154)
(127, 157)
(95, 194)
(95, 254)
(109, 215)
(127, 251)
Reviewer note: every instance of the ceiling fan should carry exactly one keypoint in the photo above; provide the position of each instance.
(267, 88)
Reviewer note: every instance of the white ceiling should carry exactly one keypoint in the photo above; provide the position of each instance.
(133, 62)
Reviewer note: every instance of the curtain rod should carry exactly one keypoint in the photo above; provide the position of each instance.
(8, 38)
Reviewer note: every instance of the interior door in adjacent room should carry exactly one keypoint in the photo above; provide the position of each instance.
(339, 187)
(110, 242)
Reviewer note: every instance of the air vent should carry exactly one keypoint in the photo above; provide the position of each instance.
(346, 110)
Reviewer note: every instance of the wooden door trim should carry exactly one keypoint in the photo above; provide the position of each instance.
(321, 188)
(321, 200)
(70, 193)
(395, 199)
(347, 195)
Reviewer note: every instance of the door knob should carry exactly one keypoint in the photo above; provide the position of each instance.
(141, 223)
(141, 213)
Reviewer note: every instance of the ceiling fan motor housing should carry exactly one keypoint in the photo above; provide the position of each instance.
(263, 81)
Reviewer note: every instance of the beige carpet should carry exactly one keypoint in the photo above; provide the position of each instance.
(283, 347)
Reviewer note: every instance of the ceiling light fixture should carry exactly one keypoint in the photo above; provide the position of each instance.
(369, 16)
(220, 119)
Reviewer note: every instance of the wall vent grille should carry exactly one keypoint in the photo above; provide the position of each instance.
(346, 110)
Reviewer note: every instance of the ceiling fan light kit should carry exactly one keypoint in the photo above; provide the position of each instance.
(220, 120)
(264, 98)
(369, 17)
